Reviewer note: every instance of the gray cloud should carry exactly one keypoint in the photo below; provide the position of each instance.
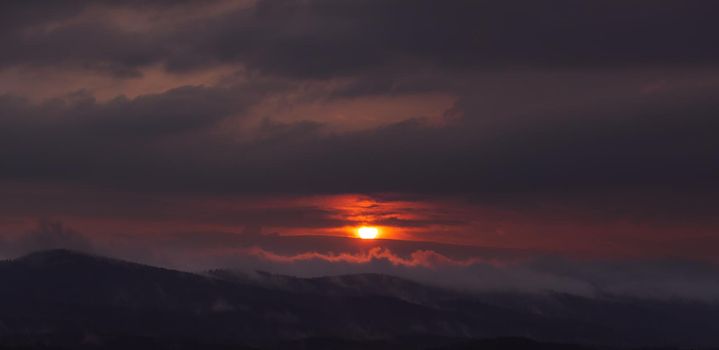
(159, 141)
(78, 137)
(642, 144)
(660, 142)
(323, 38)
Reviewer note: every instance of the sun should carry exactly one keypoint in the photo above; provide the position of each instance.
(367, 232)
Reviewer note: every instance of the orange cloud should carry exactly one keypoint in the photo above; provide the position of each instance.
(419, 258)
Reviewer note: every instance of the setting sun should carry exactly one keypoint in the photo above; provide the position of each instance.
(367, 232)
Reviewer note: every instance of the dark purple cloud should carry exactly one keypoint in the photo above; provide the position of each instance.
(603, 112)
(661, 141)
(323, 38)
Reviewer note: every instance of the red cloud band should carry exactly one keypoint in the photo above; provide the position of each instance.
(419, 258)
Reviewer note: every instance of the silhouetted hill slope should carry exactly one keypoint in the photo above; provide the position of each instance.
(513, 344)
(96, 299)
(367, 284)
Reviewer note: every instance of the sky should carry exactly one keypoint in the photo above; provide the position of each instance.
(556, 145)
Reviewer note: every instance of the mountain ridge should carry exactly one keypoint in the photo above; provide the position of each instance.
(67, 292)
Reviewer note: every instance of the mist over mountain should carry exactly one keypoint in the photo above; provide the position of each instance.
(62, 297)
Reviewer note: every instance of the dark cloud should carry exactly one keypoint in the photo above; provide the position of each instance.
(92, 46)
(662, 141)
(39, 32)
(180, 212)
(184, 108)
(399, 222)
(322, 38)
(641, 144)
(78, 136)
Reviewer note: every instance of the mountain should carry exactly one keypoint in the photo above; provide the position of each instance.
(366, 284)
(64, 297)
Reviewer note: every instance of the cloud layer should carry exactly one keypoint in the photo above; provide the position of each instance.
(571, 128)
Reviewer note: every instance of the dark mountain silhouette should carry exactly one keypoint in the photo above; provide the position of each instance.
(63, 298)
(343, 285)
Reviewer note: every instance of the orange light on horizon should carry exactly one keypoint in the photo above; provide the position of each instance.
(367, 232)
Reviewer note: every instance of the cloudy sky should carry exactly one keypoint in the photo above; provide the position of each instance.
(517, 143)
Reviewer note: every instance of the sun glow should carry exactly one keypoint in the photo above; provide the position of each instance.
(367, 232)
